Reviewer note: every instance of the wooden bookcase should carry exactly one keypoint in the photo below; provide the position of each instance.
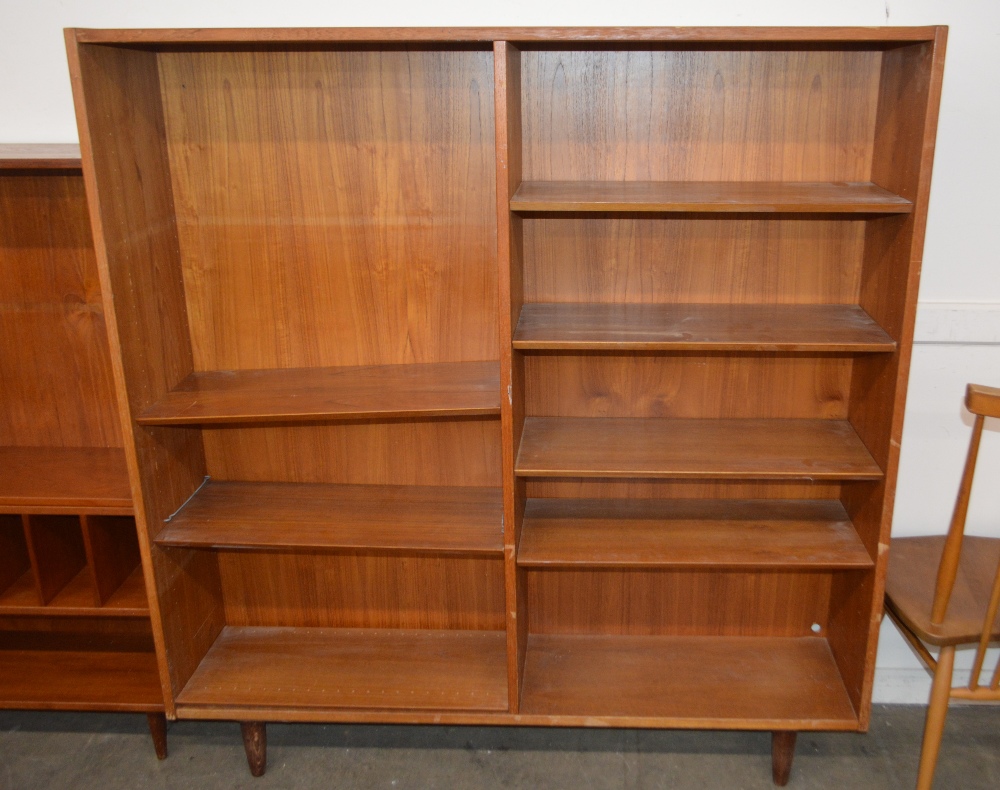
(75, 631)
(538, 376)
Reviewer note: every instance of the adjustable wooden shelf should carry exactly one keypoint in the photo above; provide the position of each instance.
(75, 630)
(539, 376)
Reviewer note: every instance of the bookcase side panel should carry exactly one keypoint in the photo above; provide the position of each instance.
(510, 257)
(117, 92)
(910, 90)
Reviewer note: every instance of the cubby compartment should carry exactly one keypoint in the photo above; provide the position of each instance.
(78, 664)
(354, 630)
(14, 560)
(317, 371)
(706, 352)
(58, 558)
(709, 646)
(366, 576)
(73, 566)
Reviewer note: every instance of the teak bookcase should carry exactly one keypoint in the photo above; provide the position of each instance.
(75, 631)
(526, 376)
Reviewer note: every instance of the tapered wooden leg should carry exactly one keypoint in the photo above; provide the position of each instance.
(782, 754)
(937, 712)
(255, 744)
(158, 731)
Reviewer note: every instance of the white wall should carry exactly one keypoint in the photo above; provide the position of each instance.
(959, 320)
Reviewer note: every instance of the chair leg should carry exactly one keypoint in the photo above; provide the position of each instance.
(782, 754)
(158, 731)
(255, 745)
(937, 712)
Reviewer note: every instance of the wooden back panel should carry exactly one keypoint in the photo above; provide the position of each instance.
(334, 207)
(362, 590)
(413, 452)
(57, 388)
(684, 259)
(699, 114)
(677, 602)
(687, 385)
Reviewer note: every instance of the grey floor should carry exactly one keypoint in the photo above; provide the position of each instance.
(109, 751)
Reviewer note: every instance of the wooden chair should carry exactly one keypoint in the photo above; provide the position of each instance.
(939, 594)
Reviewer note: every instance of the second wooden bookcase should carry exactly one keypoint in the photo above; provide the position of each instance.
(513, 376)
(75, 630)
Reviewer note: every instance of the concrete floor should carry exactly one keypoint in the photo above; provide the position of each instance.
(110, 751)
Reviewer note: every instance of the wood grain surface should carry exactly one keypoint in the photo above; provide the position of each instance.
(703, 385)
(447, 389)
(349, 216)
(737, 197)
(685, 533)
(57, 385)
(14, 560)
(79, 680)
(112, 553)
(77, 599)
(691, 601)
(64, 479)
(361, 590)
(370, 452)
(903, 154)
(510, 246)
(688, 259)
(697, 327)
(55, 545)
(450, 519)
(737, 682)
(730, 115)
(751, 449)
(910, 588)
(39, 156)
(116, 92)
(357, 668)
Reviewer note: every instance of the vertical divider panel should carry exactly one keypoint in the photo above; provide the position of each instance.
(123, 144)
(906, 122)
(112, 551)
(55, 545)
(507, 93)
(14, 559)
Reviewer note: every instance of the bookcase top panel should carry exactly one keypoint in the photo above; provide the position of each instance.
(874, 35)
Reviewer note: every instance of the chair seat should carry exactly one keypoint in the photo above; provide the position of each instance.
(913, 567)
